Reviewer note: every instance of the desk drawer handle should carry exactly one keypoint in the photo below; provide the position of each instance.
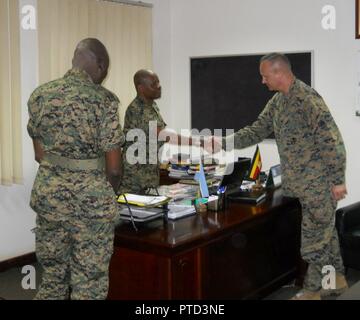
(183, 263)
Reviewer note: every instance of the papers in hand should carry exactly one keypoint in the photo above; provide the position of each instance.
(143, 201)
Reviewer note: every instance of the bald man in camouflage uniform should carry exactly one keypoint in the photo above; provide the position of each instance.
(74, 125)
(313, 163)
(139, 177)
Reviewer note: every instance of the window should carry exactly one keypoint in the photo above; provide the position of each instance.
(125, 30)
(10, 102)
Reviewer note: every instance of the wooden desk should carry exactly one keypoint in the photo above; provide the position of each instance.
(244, 252)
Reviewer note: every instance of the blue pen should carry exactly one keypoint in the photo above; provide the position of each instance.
(221, 189)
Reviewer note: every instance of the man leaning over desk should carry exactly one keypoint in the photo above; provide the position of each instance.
(313, 161)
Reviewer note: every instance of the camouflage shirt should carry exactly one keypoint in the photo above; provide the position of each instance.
(74, 118)
(142, 175)
(311, 148)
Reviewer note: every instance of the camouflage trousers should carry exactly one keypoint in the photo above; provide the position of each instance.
(319, 238)
(76, 255)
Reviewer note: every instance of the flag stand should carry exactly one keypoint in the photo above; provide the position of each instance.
(257, 186)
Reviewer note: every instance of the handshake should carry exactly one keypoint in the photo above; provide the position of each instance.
(211, 144)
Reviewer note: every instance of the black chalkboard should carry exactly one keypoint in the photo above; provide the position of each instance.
(227, 93)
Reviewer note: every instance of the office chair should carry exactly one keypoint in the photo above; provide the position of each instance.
(348, 227)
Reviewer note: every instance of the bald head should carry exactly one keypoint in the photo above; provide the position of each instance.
(147, 85)
(278, 61)
(142, 77)
(276, 73)
(91, 56)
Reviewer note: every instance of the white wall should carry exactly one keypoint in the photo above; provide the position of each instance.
(162, 52)
(186, 28)
(16, 217)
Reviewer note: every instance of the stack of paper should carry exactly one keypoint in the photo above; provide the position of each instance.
(141, 214)
(178, 191)
(177, 211)
(142, 208)
(178, 171)
(247, 196)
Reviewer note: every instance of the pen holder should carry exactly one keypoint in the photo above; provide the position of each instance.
(200, 207)
(215, 203)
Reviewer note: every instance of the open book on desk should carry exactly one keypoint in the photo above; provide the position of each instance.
(143, 201)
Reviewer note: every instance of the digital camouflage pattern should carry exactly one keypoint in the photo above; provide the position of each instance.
(74, 118)
(313, 159)
(137, 178)
(82, 250)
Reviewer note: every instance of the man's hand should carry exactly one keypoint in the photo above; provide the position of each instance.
(39, 151)
(212, 144)
(339, 192)
(113, 167)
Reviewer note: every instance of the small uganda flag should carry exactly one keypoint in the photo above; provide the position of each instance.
(200, 177)
(255, 165)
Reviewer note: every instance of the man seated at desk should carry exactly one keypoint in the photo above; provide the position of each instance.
(144, 115)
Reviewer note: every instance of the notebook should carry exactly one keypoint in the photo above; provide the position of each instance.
(143, 201)
(251, 196)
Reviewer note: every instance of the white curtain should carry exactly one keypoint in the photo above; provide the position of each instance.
(10, 101)
(125, 30)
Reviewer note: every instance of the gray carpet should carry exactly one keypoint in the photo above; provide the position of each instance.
(288, 291)
(11, 285)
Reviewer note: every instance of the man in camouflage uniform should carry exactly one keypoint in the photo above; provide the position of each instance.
(142, 126)
(313, 163)
(139, 177)
(74, 124)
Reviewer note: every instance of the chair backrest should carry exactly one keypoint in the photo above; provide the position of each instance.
(348, 217)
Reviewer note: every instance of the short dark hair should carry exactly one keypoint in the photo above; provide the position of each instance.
(142, 77)
(97, 48)
(277, 57)
(139, 77)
